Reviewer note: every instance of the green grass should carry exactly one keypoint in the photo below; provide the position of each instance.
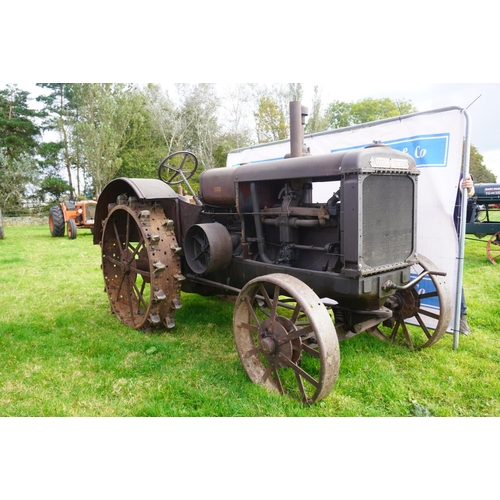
(62, 353)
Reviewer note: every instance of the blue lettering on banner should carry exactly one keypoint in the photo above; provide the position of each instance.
(426, 150)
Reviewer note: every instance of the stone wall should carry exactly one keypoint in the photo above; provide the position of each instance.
(25, 221)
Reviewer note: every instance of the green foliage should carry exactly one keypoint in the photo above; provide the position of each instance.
(477, 168)
(19, 133)
(108, 117)
(19, 137)
(59, 113)
(188, 124)
(344, 114)
(55, 188)
(111, 130)
(49, 162)
(66, 355)
(142, 154)
(317, 121)
(271, 121)
(15, 176)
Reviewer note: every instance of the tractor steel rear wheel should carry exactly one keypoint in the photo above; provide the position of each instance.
(285, 337)
(422, 314)
(141, 266)
(56, 221)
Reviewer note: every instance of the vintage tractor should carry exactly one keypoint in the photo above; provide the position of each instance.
(305, 274)
(74, 214)
(483, 217)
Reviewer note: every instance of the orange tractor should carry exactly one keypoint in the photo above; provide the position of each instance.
(74, 214)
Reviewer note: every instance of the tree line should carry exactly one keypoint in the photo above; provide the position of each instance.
(79, 136)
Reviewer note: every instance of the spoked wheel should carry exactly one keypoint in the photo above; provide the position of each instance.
(493, 248)
(141, 266)
(178, 167)
(421, 314)
(285, 337)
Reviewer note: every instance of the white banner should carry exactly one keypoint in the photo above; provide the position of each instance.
(435, 140)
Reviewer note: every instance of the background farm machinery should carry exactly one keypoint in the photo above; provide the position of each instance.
(483, 217)
(304, 274)
(73, 214)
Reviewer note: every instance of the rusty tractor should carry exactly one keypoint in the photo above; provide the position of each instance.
(304, 273)
(73, 214)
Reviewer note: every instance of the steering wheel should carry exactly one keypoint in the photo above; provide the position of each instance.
(182, 164)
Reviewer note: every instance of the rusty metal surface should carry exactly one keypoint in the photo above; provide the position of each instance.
(141, 266)
(257, 230)
(408, 305)
(143, 189)
(208, 248)
(285, 337)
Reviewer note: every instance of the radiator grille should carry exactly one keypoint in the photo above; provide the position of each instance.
(387, 220)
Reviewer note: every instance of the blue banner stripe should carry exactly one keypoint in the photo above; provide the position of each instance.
(427, 150)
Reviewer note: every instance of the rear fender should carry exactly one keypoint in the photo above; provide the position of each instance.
(145, 190)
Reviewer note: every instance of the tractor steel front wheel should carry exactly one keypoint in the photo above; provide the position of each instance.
(422, 314)
(141, 266)
(285, 337)
(493, 248)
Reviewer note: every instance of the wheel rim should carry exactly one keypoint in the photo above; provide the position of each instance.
(178, 168)
(421, 315)
(493, 248)
(71, 229)
(141, 266)
(289, 346)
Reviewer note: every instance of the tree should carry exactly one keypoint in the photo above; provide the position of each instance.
(108, 117)
(15, 176)
(236, 104)
(189, 123)
(60, 115)
(19, 132)
(199, 107)
(271, 121)
(317, 121)
(165, 118)
(272, 117)
(19, 135)
(295, 92)
(344, 114)
(54, 187)
(145, 150)
(477, 168)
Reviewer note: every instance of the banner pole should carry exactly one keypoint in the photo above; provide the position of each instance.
(461, 238)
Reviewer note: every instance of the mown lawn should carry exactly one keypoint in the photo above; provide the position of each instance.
(62, 353)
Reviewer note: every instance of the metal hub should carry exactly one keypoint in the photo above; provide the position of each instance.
(285, 337)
